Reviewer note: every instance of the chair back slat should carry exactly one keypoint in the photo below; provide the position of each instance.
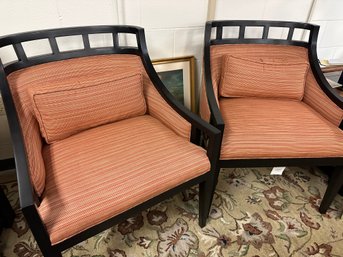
(56, 54)
(265, 37)
(53, 45)
(86, 43)
(265, 32)
(290, 33)
(19, 50)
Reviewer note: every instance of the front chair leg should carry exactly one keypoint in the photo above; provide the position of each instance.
(334, 185)
(39, 232)
(206, 192)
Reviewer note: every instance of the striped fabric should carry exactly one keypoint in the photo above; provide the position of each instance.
(320, 102)
(276, 128)
(204, 109)
(261, 77)
(158, 108)
(93, 67)
(70, 106)
(312, 95)
(101, 172)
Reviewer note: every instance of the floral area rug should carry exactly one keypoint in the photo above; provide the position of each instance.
(253, 214)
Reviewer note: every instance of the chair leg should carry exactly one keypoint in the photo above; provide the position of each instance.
(38, 230)
(206, 191)
(334, 185)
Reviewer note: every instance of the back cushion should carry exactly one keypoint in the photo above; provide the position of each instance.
(67, 107)
(263, 77)
(252, 51)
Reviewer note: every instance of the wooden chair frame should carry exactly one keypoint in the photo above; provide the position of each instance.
(336, 181)
(28, 199)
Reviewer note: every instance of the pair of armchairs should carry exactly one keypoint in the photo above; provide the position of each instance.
(97, 137)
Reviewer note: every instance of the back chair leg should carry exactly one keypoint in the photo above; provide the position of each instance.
(206, 192)
(334, 185)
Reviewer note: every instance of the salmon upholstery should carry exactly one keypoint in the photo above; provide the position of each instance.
(95, 69)
(313, 95)
(112, 162)
(320, 102)
(161, 110)
(276, 128)
(262, 77)
(67, 107)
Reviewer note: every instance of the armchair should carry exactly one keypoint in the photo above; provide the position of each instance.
(270, 100)
(96, 136)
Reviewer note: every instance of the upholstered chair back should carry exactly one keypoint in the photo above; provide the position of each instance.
(263, 67)
(59, 95)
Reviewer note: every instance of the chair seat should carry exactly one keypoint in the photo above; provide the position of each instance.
(99, 173)
(257, 128)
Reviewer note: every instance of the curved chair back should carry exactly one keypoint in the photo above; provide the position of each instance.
(301, 39)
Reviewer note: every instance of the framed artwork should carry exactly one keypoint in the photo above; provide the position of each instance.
(177, 74)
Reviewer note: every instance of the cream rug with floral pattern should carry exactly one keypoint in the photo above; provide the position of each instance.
(253, 214)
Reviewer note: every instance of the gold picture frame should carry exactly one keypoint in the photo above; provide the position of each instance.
(177, 74)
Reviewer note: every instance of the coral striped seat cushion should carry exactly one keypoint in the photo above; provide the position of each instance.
(66, 107)
(276, 128)
(104, 171)
(263, 77)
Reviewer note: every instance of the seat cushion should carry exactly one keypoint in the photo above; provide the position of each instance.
(68, 106)
(101, 172)
(257, 128)
(263, 77)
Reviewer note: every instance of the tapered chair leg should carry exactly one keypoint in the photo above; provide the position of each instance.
(206, 192)
(334, 185)
(39, 232)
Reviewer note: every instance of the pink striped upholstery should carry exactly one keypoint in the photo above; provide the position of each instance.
(69, 106)
(274, 128)
(158, 108)
(263, 77)
(320, 102)
(204, 109)
(90, 175)
(313, 95)
(93, 68)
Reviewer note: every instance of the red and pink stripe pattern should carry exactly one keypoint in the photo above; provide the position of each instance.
(258, 128)
(113, 168)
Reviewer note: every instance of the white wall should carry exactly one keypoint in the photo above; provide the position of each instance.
(173, 28)
(329, 15)
(326, 13)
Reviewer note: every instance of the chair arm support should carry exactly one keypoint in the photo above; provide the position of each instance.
(317, 72)
(325, 86)
(192, 118)
(216, 117)
(26, 193)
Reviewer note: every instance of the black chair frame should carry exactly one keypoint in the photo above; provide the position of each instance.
(28, 198)
(216, 28)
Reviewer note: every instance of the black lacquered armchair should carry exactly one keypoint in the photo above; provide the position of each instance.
(268, 96)
(97, 136)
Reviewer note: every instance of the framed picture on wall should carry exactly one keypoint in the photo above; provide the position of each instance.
(177, 74)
